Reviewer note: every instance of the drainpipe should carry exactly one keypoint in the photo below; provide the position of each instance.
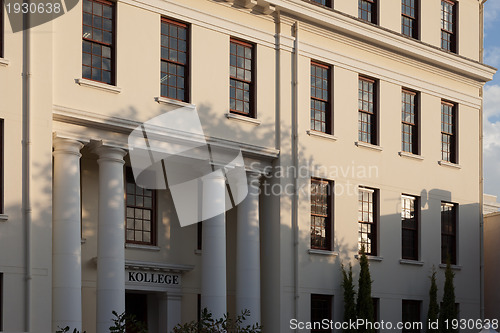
(295, 161)
(481, 179)
(27, 164)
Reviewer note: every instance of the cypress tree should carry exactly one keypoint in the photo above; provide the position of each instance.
(433, 313)
(448, 309)
(365, 304)
(349, 294)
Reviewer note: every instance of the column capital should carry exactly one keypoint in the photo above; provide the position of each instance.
(67, 146)
(110, 154)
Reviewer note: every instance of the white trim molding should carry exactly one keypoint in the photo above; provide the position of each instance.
(248, 120)
(98, 85)
(450, 165)
(411, 262)
(453, 267)
(142, 247)
(4, 62)
(154, 266)
(323, 252)
(322, 135)
(368, 145)
(4, 217)
(169, 101)
(410, 155)
(371, 258)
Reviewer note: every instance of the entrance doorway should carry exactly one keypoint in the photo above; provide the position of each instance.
(137, 305)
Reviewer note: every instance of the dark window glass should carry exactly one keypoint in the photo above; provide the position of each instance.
(1, 167)
(199, 235)
(409, 18)
(367, 221)
(411, 316)
(409, 118)
(367, 10)
(326, 3)
(448, 232)
(367, 111)
(1, 29)
(376, 310)
(320, 98)
(174, 60)
(1, 302)
(448, 33)
(140, 213)
(241, 78)
(409, 224)
(98, 41)
(321, 214)
(321, 308)
(448, 129)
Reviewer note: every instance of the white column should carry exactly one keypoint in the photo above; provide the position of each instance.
(173, 310)
(248, 252)
(110, 237)
(213, 258)
(66, 243)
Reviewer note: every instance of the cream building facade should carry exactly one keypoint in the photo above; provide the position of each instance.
(78, 239)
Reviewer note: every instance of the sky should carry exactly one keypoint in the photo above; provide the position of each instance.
(491, 123)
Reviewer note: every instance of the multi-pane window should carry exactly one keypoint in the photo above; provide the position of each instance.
(367, 221)
(326, 3)
(241, 78)
(409, 18)
(98, 41)
(321, 309)
(174, 60)
(140, 213)
(409, 225)
(320, 98)
(367, 10)
(409, 118)
(448, 232)
(321, 214)
(448, 27)
(367, 122)
(448, 130)
(199, 236)
(411, 316)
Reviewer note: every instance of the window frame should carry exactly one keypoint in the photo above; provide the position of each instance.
(415, 126)
(187, 65)
(329, 104)
(252, 112)
(412, 306)
(374, 11)
(415, 19)
(374, 115)
(453, 235)
(154, 228)
(329, 217)
(453, 136)
(415, 230)
(112, 46)
(373, 234)
(321, 298)
(453, 34)
(328, 3)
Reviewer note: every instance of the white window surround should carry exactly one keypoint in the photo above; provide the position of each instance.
(323, 252)
(368, 146)
(142, 247)
(453, 267)
(450, 165)
(410, 155)
(98, 85)
(4, 218)
(198, 252)
(4, 62)
(322, 135)
(238, 117)
(411, 262)
(169, 101)
(371, 258)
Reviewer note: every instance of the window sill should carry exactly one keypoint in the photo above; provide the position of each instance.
(322, 252)
(98, 85)
(142, 247)
(83, 240)
(368, 145)
(4, 218)
(197, 252)
(453, 267)
(450, 165)
(410, 155)
(248, 120)
(169, 101)
(411, 262)
(4, 62)
(371, 258)
(321, 135)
